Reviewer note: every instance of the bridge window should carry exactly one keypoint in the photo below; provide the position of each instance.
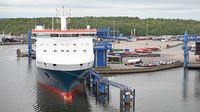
(80, 34)
(34, 35)
(64, 35)
(74, 35)
(92, 35)
(54, 35)
(85, 34)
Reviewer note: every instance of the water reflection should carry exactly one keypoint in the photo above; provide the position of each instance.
(49, 101)
(185, 83)
(102, 99)
(197, 85)
(191, 84)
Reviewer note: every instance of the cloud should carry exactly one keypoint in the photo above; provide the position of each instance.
(186, 9)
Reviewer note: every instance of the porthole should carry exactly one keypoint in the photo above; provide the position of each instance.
(62, 50)
(67, 50)
(44, 50)
(54, 50)
(84, 50)
(74, 50)
(55, 44)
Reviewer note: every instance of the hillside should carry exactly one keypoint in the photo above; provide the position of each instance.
(17, 26)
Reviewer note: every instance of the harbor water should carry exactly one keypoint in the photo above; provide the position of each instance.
(174, 90)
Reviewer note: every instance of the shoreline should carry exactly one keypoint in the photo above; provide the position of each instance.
(109, 72)
(12, 43)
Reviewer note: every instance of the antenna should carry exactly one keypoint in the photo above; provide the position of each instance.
(69, 12)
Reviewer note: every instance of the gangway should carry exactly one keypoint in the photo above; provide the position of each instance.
(101, 85)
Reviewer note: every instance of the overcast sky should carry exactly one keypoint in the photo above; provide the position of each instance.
(183, 9)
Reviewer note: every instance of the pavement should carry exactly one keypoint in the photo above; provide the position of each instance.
(174, 53)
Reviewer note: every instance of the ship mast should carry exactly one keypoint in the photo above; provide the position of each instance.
(63, 15)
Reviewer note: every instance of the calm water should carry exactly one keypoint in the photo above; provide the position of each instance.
(163, 91)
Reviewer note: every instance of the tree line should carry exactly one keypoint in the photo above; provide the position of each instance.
(150, 26)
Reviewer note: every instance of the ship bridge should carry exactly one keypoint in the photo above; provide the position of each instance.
(64, 33)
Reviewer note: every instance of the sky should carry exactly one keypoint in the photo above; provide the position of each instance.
(181, 9)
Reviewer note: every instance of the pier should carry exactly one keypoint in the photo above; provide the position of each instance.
(121, 70)
(12, 43)
(193, 65)
(100, 85)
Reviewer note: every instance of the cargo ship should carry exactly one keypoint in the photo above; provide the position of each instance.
(63, 56)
